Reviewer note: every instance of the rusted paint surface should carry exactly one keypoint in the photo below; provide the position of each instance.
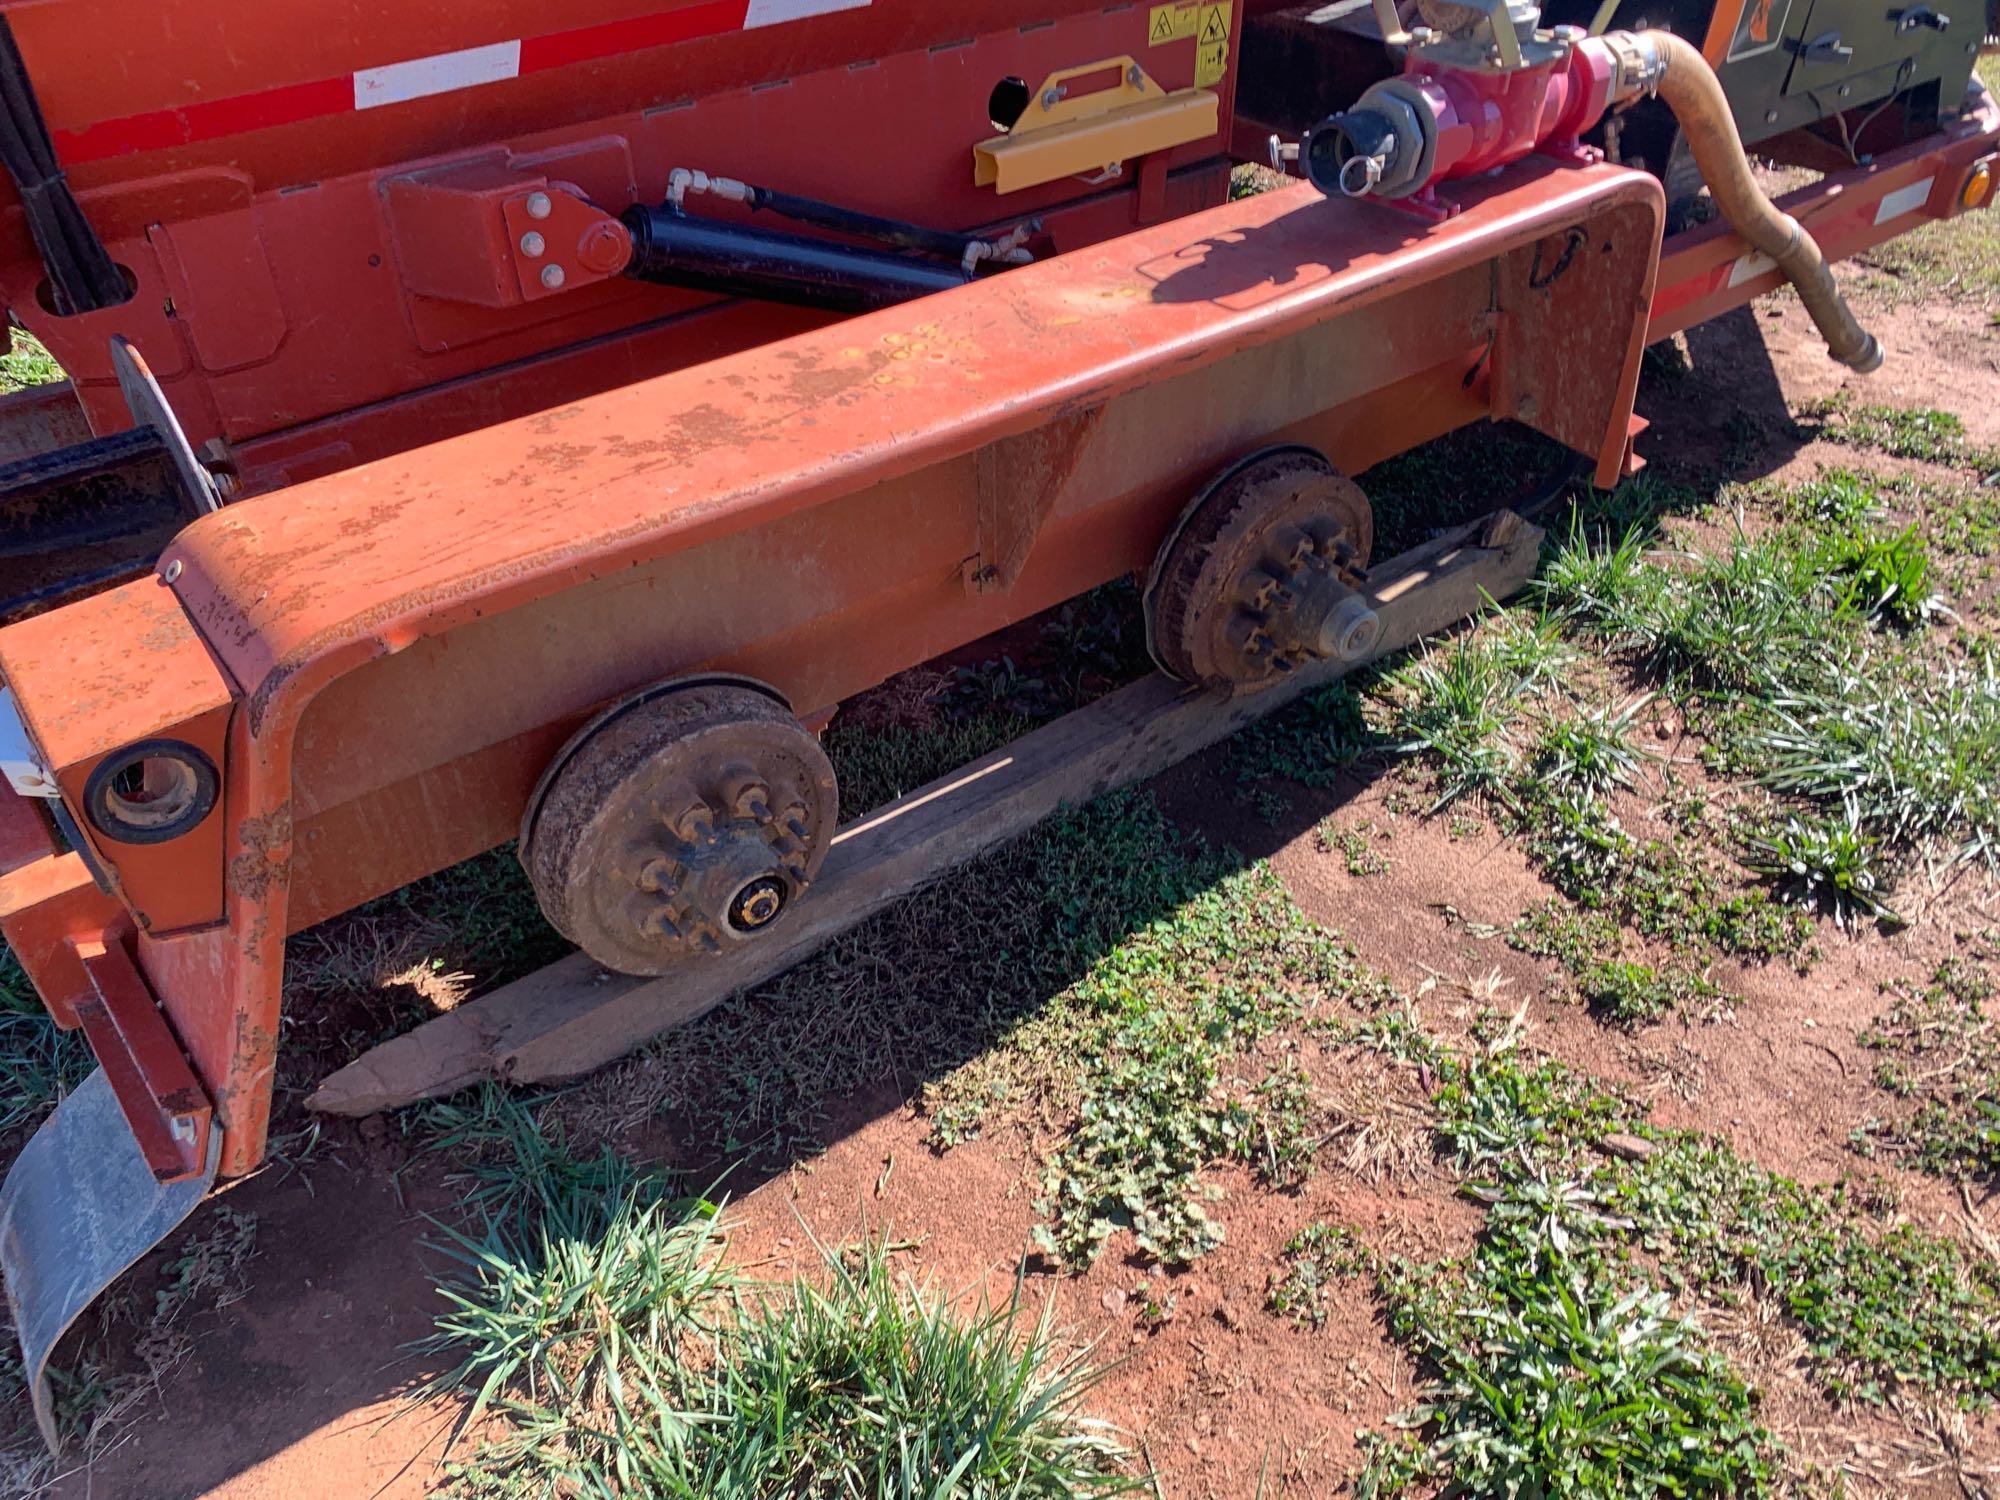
(1020, 480)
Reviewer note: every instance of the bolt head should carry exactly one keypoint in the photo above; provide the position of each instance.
(533, 245)
(539, 206)
(1770, 117)
(553, 277)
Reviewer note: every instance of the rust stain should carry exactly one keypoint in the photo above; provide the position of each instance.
(546, 424)
(562, 457)
(266, 853)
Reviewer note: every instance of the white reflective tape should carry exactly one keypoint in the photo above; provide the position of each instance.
(1904, 200)
(778, 12)
(421, 77)
(1750, 267)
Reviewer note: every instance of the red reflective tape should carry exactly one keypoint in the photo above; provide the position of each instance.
(210, 120)
(590, 43)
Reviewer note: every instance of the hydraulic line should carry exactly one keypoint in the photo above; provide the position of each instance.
(965, 250)
(677, 249)
(1689, 88)
(82, 277)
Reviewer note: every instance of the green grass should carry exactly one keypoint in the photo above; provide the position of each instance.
(1589, 753)
(599, 1322)
(27, 363)
(39, 1063)
(1456, 706)
(1312, 742)
(1912, 753)
(1940, 1057)
(1922, 433)
(1551, 1367)
(1828, 861)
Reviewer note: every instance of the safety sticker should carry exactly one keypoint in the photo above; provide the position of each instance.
(1173, 23)
(1211, 46)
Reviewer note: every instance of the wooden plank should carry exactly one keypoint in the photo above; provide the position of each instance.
(575, 1016)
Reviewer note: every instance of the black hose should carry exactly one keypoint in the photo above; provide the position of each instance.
(677, 249)
(892, 232)
(81, 273)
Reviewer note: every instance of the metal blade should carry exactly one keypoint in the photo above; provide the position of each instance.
(78, 1210)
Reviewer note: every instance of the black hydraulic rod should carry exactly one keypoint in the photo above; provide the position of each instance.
(892, 232)
(677, 249)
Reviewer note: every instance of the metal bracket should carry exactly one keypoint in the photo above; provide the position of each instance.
(1020, 480)
(169, 1112)
(149, 408)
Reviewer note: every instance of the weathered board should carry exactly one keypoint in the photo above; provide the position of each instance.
(574, 1016)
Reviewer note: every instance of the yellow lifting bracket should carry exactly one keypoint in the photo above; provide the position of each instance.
(1066, 133)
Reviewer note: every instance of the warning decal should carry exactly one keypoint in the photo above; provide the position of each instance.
(1173, 23)
(1211, 58)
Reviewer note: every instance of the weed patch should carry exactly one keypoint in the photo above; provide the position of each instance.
(1925, 434)
(1358, 848)
(1566, 1356)
(1233, 964)
(1313, 1261)
(1940, 1055)
(1878, 1311)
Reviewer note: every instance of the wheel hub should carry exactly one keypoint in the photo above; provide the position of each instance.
(681, 825)
(722, 868)
(1259, 578)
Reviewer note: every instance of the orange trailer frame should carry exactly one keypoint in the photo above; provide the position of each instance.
(382, 672)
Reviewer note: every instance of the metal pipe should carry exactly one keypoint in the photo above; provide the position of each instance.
(674, 249)
(1689, 87)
